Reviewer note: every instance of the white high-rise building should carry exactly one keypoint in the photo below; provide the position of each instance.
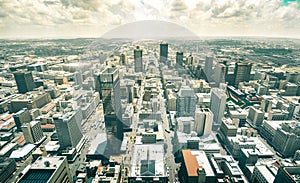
(186, 102)
(203, 121)
(218, 104)
(67, 129)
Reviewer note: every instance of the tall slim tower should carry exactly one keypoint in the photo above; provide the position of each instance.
(24, 81)
(163, 53)
(242, 72)
(138, 59)
(208, 66)
(220, 74)
(123, 59)
(108, 86)
(203, 121)
(218, 104)
(179, 58)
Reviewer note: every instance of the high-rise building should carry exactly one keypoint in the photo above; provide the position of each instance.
(21, 117)
(218, 104)
(255, 116)
(203, 121)
(190, 60)
(138, 59)
(24, 81)
(242, 72)
(179, 58)
(108, 86)
(123, 59)
(163, 53)
(220, 74)
(186, 102)
(32, 132)
(7, 167)
(208, 65)
(287, 174)
(286, 139)
(67, 129)
(48, 169)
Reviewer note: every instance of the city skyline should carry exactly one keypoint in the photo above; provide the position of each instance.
(72, 19)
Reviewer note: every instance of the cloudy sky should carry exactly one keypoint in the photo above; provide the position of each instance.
(93, 18)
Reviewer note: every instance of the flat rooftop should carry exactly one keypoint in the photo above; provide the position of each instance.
(37, 176)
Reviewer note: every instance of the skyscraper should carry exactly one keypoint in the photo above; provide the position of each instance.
(242, 72)
(138, 59)
(218, 104)
(22, 117)
(24, 81)
(67, 129)
(163, 52)
(186, 102)
(179, 58)
(123, 59)
(203, 121)
(208, 66)
(220, 74)
(108, 86)
(32, 132)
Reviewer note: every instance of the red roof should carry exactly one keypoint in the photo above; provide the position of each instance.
(191, 163)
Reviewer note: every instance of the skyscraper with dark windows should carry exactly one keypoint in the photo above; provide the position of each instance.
(242, 72)
(138, 59)
(163, 52)
(24, 81)
(179, 58)
(108, 86)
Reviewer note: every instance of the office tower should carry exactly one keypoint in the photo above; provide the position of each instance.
(48, 169)
(218, 104)
(255, 116)
(186, 102)
(123, 59)
(138, 59)
(7, 167)
(179, 58)
(163, 53)
(24, 81)
(21, 117)
(203, 121)
(242, 72)
(108, 86)
(220, 74)
(32, 132)
(208, 66)
(287, 174)
(67, 129)
(286, 139)
(190, 60)
(185, 124)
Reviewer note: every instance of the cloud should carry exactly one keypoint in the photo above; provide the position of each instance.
(209, 16)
